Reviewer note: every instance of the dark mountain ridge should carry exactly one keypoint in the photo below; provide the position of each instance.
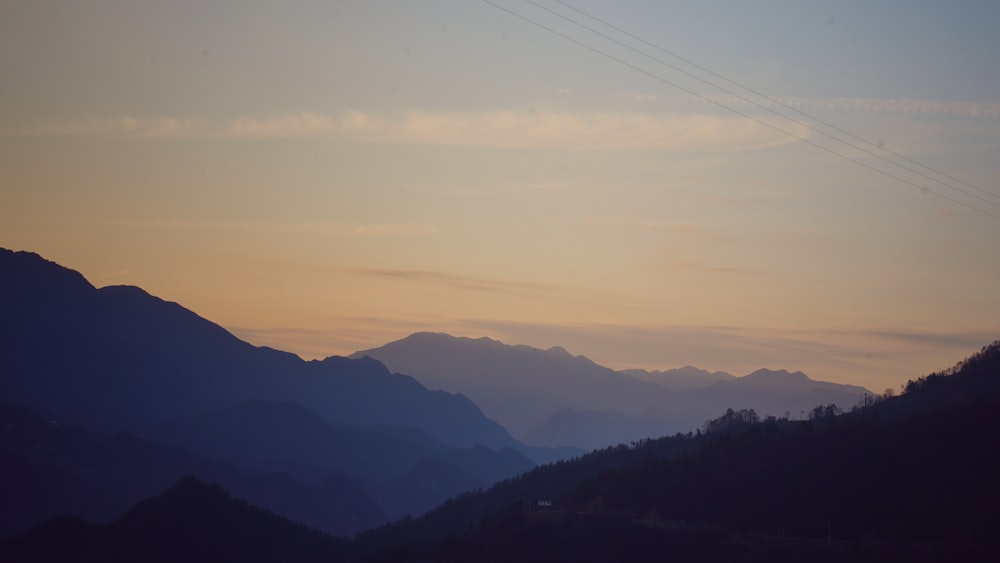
(129, 368)
(190, 521)
(50, 469)
(118, 358)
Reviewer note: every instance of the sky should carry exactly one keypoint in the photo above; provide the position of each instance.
(328, 176)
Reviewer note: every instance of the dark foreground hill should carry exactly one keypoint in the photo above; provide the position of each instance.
(282, 457)
(121, 393)
(191, 521)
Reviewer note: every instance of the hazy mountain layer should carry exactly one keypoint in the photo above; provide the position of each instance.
(406, 471)
(552, 398)
(687, 377)
(519, 386)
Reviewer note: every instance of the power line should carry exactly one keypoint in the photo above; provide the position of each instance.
(923, 189)
(758, 104)
(781, 103)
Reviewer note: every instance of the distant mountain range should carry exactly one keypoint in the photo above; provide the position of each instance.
(687, 377)
(552, 398)
(341, 444)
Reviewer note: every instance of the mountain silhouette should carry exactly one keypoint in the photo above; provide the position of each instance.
(551, 398)
(113, 373)
(519, 386)
(117, 358)
(50, 469)
(687, 377)
(191, 521)
(287, 438)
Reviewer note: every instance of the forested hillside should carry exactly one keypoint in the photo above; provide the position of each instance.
(913, 474)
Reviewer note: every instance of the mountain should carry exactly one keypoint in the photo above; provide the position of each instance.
(191, 521)
(286, 438)
(117, 358)
(551, 398)
(118, 372)
(518, 386)
(687, 377)
(50, 470)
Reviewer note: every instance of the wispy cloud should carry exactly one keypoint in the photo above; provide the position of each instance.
(696, 266)
(875, 105)
(115, 127)
(457, 281)
(317, 228)
(945, 339)
(673, 230)
(498, 128)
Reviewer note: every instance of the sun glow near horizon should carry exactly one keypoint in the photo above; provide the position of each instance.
(329, 177)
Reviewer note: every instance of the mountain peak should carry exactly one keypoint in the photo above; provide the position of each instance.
(765, 374)
(27, 273)
(559, 351)
(126, 291)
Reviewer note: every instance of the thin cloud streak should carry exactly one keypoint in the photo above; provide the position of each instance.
(115, 127)
(695, 266)
(498, 128)
(956, 340)
(641, 96)
(455, 280)
(322, 228)
(580, 297)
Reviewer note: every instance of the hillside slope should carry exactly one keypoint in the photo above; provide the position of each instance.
(117, 358)
(191, 521)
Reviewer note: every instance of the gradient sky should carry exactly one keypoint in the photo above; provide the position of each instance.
(327, 176)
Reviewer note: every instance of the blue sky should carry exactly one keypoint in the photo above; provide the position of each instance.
(328, 176)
